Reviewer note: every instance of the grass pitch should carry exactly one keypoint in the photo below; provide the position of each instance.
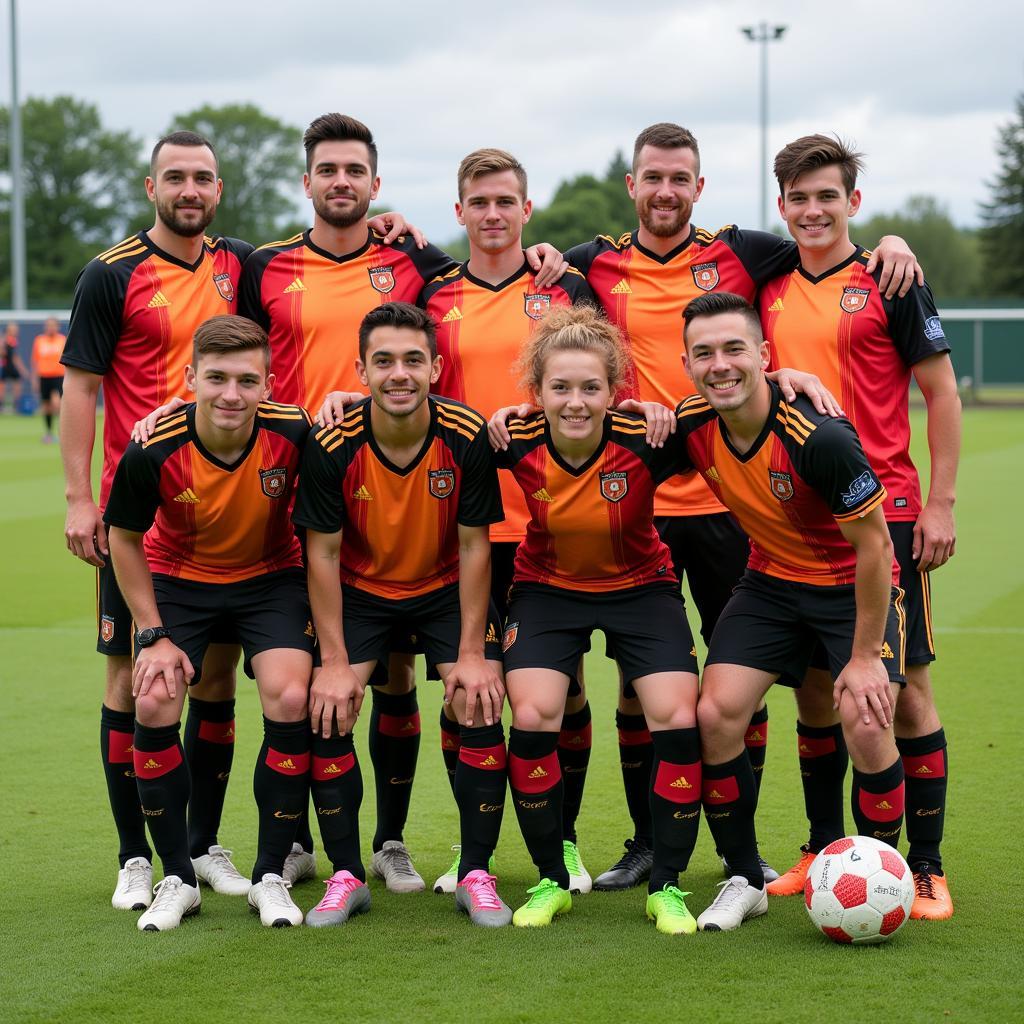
(67, 956)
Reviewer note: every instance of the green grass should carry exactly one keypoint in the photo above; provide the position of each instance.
(67, 956)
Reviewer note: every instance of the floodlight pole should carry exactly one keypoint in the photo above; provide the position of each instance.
(764, 34)
(19, 292)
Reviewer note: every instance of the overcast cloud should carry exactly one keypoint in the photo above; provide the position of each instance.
(920, 87)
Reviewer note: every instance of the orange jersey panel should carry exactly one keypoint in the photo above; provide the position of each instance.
(46, 352)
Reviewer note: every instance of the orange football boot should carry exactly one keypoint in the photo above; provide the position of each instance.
(932, 901)
(791, 883)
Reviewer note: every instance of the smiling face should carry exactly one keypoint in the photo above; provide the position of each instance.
(228, 387)
(398, 369)
(575, 394)
(666, 185)
(817, 209)
(726, 359)
(184, 188)
(341, 182)
(493, 211)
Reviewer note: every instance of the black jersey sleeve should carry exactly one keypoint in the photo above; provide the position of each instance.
(764, 256)
(250, 303)
(135, 493)
(914, 324)
(837, 468)
(480, 495)
(430, 261)
(582, 256)
(97, 313)
(320, 501)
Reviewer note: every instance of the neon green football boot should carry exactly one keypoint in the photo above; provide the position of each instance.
(667, 909)
(547, 900)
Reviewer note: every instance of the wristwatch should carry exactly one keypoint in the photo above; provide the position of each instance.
(148, 637)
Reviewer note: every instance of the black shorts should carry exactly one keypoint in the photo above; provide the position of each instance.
(712, 551)
(550, 627)
(9, 372)
(917, 602)
(113, 620)
(432, 623)
(49, 385)
(264, 613)
(503, 559)
(775, 625)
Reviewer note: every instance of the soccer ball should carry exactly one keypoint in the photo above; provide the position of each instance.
(859, 890)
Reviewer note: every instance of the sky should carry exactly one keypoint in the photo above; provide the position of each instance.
(921, 88)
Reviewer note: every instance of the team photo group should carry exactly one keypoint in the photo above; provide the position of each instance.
(328, 455)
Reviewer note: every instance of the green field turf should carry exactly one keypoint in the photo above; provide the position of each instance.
(65, 955)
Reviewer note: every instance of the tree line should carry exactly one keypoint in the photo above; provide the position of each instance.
(82, 187)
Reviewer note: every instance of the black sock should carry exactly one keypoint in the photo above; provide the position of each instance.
(574, 743)
(209, 750)
(394, 747)
(756, 742)
(117, 741)
(878, 801)
(480, 793)
(730, 795)
(675, 804)
(162, 777)
(337, 787)
(303, 836)
(48, 417)
(823, 761)
(925, 767)
(536, 783)
(450, 743)
(636, 758)
(280, 784)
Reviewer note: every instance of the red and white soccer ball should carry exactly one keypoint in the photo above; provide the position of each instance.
(859, 890)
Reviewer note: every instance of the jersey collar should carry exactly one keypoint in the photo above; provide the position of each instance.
(168, 258)
(669, 256)
(420, 455)
(859, 253)
(598, 452)
(190, 419)
(766, 430)
(346, 257)
(468, 274)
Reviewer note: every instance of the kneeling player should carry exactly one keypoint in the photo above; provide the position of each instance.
(592, 559)
(821, 569)
(399, 497)
(215, 483)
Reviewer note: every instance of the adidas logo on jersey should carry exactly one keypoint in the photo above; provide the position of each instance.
(538, 773)
(187, 497)
(492, 636)
(362, 494)
(680, 783)
(159, 301)
(542, 495)
(887, 651)
(776, 306)
(712, 474)
(622, 288)
(295, 286)
(452, 315)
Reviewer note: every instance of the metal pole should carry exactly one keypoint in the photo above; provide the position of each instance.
(764, 34)
(19, 291)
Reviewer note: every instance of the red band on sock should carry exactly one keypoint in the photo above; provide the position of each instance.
(881, 806)
(151, 764)
(925, 766)
(399, 727)
(815, 746)
(287, 764)
(217, 732)
(678, 783)
(534, 776)
(756, 735)
(327, 768)
(634, 737)
(450, 740)
(720, 791)
(489, 759)
(576, 739)
(119, 747)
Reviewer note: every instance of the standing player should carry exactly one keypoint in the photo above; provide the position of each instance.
(46, 353)
(643, 281)
(829, 316)
(821, 569)
(12, 368)
(135, 311)
(592, 559)
(485, 310)
(215, 482)
(399, 498)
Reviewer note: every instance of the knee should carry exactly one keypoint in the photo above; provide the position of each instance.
(291, 703)
(154, 711)
(529, 718)
(712, 719)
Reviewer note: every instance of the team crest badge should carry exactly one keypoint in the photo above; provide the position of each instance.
(782, 485)
(225, 287)
(854, 299)
(509, 636)
(382, 278)
(273, 481)
(705, 275)
(535, 306)
(442, 482)
(106, 628)
(614, 486)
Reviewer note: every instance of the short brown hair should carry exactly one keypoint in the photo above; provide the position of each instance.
(573, 329)
(180, 138)
(229, 333)
(665, 135)
(717, 303)
(397, 314)
(813, 152)
(489, 161)
(338, 128)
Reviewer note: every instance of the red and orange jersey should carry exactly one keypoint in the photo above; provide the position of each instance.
(805, 474)
(481, 329)
(862, 346)
(46, 352)
(590, 528)
(213, 522)
(645, 294)
(399, 525)
(135, 310)
(312, 303)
